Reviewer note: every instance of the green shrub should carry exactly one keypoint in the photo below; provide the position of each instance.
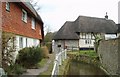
(15, 69)
(29, 56)
(49, 46)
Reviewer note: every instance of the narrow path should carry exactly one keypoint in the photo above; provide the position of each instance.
(35, 72)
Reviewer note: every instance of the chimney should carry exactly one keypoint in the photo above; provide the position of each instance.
(106, 17)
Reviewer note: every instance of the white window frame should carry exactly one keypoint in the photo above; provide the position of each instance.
(24, 15)
(88, 41)
(8, 6)
(20, 42)
(33, 23)
(26, 42)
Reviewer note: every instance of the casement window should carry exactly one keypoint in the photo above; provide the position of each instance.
(87, 41)
(8, 6)
(33, 23)
(20, 42)
(24, 15)
(26, 42)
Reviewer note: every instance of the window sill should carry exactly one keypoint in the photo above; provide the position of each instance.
(33, 29)
(24, 21)
(7, 10)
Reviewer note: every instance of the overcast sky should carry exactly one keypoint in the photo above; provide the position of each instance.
(55, 13)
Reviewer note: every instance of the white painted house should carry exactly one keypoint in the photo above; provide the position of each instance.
(81, 33)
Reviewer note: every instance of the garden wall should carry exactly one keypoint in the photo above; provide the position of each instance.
(109, 54)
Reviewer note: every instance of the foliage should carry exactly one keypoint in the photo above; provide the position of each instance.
(15, 69)
(8, 47)
(97, 40)
(45, 52)
(48, 40)
(29, 56)
(49, 47)
(48, 37)
(42, 63)
(90, 53)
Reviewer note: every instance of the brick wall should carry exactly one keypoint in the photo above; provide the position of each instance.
(109, 55)
(12, 22)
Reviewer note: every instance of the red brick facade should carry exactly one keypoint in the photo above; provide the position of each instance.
(12, 22)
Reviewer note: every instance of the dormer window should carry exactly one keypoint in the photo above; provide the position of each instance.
(33, 23)
(8, 6)
(24, 15)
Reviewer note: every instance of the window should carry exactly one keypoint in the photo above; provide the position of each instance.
(85, 41)
(33, 23)
(88, 41)
(26, 42)
(20, 42)
(24, 15)
(7, 6)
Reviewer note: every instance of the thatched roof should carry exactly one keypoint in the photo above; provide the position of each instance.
(66, 32)
(95, 25)
(85, 25)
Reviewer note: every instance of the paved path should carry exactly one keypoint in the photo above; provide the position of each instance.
(35, 72)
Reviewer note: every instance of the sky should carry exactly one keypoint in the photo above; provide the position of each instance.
(55, 13)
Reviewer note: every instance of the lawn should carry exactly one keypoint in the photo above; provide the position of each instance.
(42, 62)
(90, 53)
(73, 52)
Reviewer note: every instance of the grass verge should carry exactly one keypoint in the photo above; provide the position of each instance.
(50, 67)
(90, 53)
(63, 68)
(42, 63)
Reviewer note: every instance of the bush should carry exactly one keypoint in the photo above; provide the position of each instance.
(45, 52)
(49, 46)
(15, 69)
(29, 56)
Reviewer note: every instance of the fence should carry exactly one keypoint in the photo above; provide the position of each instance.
(61, 56)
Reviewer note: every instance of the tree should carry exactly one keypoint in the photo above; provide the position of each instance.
(97, 40)
(48, 40)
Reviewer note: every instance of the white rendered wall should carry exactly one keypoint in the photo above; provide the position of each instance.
(82, 44)
(119, 12)
(85, 37)
(30, 42)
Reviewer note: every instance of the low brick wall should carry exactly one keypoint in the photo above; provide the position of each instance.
(109, 54)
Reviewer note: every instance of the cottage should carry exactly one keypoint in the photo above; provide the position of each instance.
(81, 33)
(22, 19)
(66, 37)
